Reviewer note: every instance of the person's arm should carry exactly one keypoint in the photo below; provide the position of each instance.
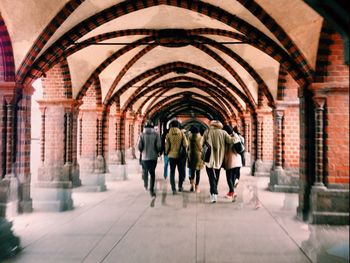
(184, 141)
(167, 145)
(140, 143)
(158, 143)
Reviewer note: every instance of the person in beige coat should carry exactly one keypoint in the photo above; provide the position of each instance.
(195, 163)
(173, 140)
(232, 163)
(216, 137)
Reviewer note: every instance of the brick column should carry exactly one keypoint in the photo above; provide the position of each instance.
(53, 189)
(117, 168)
(70, 164)
(75, 171)
(264, 143)
(100, 161)
(91, 161)
(319, 103)
(8, 184)
(247, 139)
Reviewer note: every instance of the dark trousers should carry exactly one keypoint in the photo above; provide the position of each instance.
(214, 175)
(180, 163)
(231, 177)
(195, 174)
(237, 173)
(149, 167)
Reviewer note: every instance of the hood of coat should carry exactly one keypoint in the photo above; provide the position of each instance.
(148, 130)
(216, 124)
(174, 130)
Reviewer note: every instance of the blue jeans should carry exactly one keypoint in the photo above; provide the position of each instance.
(166, 164)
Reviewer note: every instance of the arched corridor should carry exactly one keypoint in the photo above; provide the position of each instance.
(79, 79)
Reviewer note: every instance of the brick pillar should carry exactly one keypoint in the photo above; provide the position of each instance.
(53, 189)
(23, 134)
(319, 103)
(91, 161)
(9, 186)
(100, 161)
(247, 139)
(279, 144)
(75, 171)
(117, 168)
(279, 181)
(264, 143)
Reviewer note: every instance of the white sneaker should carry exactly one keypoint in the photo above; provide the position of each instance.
(236, 182)
(215, 198)
(212, 198)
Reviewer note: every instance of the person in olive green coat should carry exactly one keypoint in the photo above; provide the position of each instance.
(195, 163)
(173, 140)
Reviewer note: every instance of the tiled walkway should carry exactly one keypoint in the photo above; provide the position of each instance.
(124, 224)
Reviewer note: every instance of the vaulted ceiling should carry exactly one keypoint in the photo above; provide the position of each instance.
(211, 57)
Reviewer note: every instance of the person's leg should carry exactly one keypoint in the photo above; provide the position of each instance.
(229, 174)
(198, 177)
(166, 164)
(152, 171)
(212, 181)
(181, 168)
(144, 174)
(217, 177)
(237, 175)
(192, 176)
(172, 163)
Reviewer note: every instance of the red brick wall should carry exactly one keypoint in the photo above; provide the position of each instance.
(291, 133)
(337, 115)
(337, 72)
(54, 84)
(337, 141)
(291, 125)
(268, 140)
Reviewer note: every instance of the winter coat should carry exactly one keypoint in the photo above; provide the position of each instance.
(172, 142)
(149, 144)
(194, 152)
(216, 138)
(232, 159)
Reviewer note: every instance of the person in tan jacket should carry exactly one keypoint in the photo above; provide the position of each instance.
(216, 137)
(173, 140)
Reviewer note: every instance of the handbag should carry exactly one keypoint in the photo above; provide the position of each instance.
(239, 146)
(206, 152)
(182, 150)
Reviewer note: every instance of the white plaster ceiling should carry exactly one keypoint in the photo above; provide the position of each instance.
(26, 19)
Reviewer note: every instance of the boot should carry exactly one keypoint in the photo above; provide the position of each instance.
(192, 186)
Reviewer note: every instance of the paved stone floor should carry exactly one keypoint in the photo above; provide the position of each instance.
(124, 224)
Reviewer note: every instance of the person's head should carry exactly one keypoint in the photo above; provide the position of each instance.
(174, 124)
(216, 123)
(149, 124)
(228, 129)
(194, 130)
(235, 129)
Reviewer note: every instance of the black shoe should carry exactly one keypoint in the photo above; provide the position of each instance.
(153, 194)
(180, 189)
(174, 192)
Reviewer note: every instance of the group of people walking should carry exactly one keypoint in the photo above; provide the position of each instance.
(178, 149)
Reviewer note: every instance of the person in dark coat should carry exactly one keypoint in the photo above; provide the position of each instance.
(195, 163)
(149, 145)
